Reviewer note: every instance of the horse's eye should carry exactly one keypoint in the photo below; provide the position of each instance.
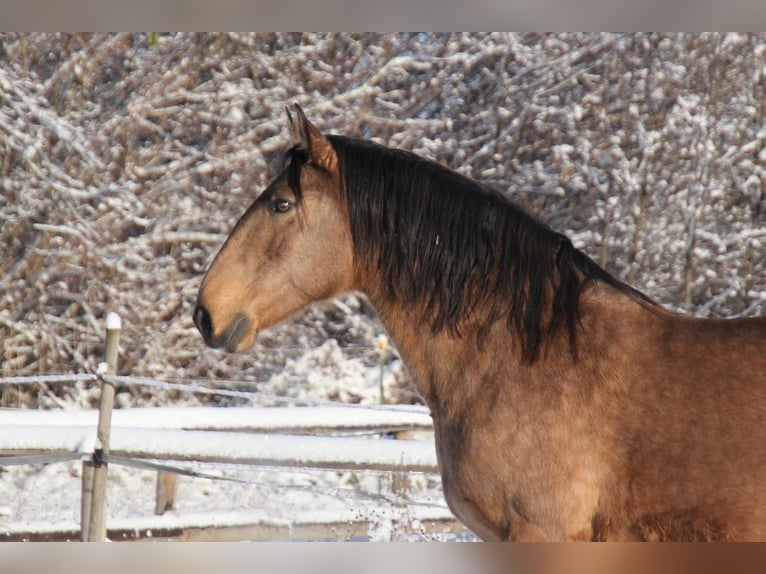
(279, 205)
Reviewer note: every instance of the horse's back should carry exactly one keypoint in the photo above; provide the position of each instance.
(697, 461)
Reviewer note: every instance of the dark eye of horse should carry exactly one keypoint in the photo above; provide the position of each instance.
(279, 205)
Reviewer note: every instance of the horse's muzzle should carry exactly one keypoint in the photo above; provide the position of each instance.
(203, 323)
(229, 338)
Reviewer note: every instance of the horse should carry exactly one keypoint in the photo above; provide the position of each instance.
(566, 404)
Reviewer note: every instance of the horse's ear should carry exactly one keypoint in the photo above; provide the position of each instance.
(307, 135)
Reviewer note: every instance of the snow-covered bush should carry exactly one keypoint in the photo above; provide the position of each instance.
(126, 158)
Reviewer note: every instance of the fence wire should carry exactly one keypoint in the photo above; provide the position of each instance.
(199, 387)
(196, 386)
(339, 492)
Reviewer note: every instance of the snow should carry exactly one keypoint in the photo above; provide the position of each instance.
(266, 496)
(252, 419)
(419, 518)
(297, 478)
(308, 472)
(113, 321)
(221, 447)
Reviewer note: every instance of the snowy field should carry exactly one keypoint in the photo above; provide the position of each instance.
(125, 159)
(275, 505)
(337, 476)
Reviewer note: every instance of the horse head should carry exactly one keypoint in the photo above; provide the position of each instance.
(291, 247)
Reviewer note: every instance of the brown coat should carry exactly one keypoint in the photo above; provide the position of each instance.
(567, 406)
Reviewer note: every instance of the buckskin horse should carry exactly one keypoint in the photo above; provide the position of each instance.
(566, 404)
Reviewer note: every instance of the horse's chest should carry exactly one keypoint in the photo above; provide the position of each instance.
(506, 486)
(470, 487)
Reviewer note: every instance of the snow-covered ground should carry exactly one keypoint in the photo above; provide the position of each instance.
(48, 500)
(295, 491)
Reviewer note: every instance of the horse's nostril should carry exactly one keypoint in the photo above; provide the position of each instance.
(203, 322)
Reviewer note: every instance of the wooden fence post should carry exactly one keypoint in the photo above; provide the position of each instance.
(86, 498)
(165, 498)
(95, 529)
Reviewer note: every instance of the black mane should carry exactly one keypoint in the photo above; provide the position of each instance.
(453, 247)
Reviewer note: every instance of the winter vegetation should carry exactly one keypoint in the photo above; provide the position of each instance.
(125, 159)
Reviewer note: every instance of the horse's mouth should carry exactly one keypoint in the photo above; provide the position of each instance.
(230, 339)
(234, 333)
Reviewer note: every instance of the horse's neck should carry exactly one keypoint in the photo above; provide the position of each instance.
(422, 350)
(450, 371)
